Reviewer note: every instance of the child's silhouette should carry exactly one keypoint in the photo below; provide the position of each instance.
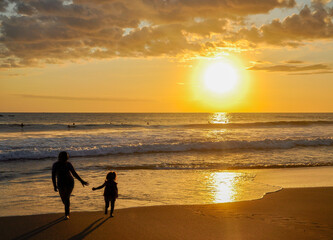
(110, 191)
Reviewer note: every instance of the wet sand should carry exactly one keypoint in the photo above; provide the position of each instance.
(294, 213)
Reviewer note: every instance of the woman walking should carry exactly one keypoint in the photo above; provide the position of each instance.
(63, 181)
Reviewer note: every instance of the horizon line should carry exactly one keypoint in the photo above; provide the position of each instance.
(171, 112)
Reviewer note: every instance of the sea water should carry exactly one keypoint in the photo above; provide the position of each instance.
(160, 158)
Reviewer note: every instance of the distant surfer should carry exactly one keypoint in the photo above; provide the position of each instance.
(22, 125)
(71, 126)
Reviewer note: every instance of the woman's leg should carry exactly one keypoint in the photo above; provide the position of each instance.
(106, 199)
(65, 193)
(112, 205)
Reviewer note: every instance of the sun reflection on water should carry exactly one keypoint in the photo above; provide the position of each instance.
(224, 186)
(219, 118)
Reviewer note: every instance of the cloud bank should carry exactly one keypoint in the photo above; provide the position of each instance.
(36, 32)
(291, 68)
(83, 98)
(294, 67)
(310, 24)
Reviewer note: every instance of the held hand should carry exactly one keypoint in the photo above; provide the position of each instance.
(55, 189)
(93, 189)
(84, 183)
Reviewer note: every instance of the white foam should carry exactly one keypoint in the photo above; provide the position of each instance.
(80, 150)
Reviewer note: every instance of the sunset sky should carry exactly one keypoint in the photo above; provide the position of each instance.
(155, 55)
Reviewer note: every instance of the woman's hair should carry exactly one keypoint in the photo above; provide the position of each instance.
(111, 176)
(63, 156)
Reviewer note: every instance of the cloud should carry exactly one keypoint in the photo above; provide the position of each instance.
(175, 10)
(82, 98)
(312, 23)
(9, 75)
(313, 69)
(294, 61)
(3, 5)
(52, 31)
(312, 73)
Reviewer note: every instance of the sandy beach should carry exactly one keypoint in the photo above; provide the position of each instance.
(296, 213)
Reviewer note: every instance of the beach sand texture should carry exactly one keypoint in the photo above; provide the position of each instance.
(296, 213)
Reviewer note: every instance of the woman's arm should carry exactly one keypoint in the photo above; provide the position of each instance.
(54, 178)
(71, 168)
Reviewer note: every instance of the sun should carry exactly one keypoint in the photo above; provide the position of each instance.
(219, 84)
(220, 77)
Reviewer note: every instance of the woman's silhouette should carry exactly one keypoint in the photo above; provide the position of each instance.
(62, 178)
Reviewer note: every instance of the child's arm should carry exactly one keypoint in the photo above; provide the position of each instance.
(103, 185)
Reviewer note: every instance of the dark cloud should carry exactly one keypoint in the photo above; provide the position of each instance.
(9, 75)
(291, 68)
(312, 73)
(82, 98)
(51, 31)
(3, 5)
(310, 24)
(294, 61)
(207, 8)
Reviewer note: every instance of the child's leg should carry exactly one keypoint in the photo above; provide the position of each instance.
(113, 200)
(106, 199)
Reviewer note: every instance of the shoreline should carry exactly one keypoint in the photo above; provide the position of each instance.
(223, 187)
(290, 213)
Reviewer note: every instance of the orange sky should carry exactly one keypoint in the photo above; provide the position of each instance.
(150, 56)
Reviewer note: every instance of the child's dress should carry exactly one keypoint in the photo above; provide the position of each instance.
(110, 190)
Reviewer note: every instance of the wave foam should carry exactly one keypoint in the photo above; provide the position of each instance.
(266, 144)
(54, 127)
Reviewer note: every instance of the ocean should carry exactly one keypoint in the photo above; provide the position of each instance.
(160, 158)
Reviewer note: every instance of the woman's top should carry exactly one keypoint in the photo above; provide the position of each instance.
(111, 189)
(63, 171)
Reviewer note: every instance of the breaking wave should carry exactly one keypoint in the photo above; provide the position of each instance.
(54, 127)
(26, 152)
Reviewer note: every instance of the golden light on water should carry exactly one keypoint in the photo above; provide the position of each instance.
(224, 186)
(219, 118)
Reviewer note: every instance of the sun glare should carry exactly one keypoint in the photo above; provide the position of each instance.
(220, 77)
(219, 84)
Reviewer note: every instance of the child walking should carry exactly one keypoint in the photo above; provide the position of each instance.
(110, 191)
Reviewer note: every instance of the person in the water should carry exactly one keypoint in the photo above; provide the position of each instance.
(110, 191)
(63, 181)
